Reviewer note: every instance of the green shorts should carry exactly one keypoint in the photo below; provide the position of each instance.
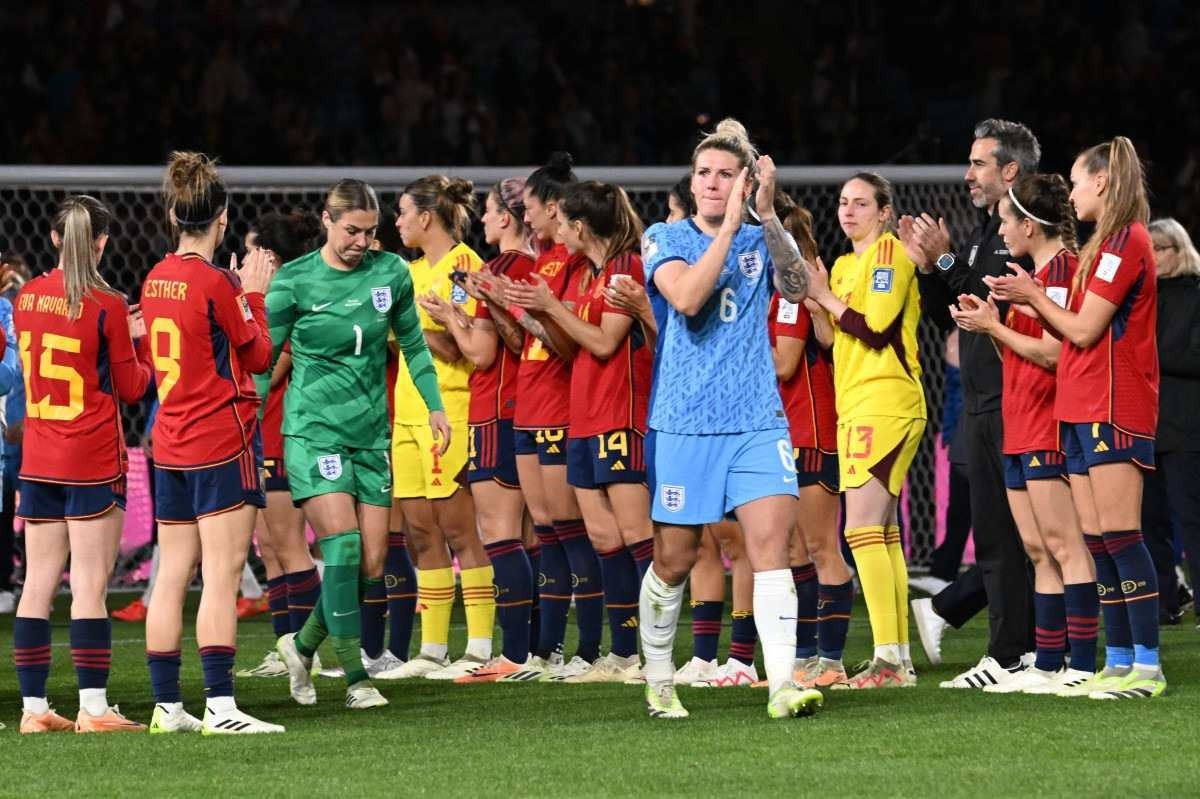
(315, 469)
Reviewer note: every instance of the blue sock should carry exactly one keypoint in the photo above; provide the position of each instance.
(834, 603)
(31, 654)
(217, 662)
(91, 651)
(277, 601)
(706, 629)
(743, 637)
(621, 593)
(372, 610)
(1050, 630)
(303, 590)
(1139, 584)
(534, 551)
(514, 596)
(1083, 624)
(586, 585)
(1118, 638)
(400, 581)
(643, 555)
(805, 578)
(164, 675)
(554, 592)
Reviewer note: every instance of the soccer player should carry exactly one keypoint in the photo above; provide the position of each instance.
(871, 296)
(720, 442)
(1107, 402)
(208, 335)
(610, 391)
(336, 306)
(1036, 220)
(79, 361)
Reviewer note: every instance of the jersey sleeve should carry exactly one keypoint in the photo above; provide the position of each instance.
(10, 370)
(1120, 265)
(791, 319)
(130, 365)
(883, 304)
(243, 318)
(406, 324)
(659, 246)
(624, 267)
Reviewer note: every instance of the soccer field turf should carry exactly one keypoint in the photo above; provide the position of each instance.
(562, 740)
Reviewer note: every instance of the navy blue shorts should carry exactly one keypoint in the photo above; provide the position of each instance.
(57, 502)
(274, 475)
(1040, 464)
(182, 496)
(548, 443)
(491, 453)
(814, 467)
(1088, 444)
(618, 456)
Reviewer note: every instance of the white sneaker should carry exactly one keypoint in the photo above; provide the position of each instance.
(610, 668)
(459, 668)
(1025, 682)
(363, 695)
(533, 669)
(8, 602)
(1066, 681)
(572, 668)
(385, 662)
(331, 672)
(300, 682)
(986, 672)
(271, 666)
(419, 666)
(235, 722)
(697, 670)
(170, 717)
(931, 627)
(733, 674)
(929, 584)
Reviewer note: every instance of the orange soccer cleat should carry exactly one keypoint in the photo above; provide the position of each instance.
(134, 612)
(246, 608)
(110, 721)
(492, 671)
(44, 722)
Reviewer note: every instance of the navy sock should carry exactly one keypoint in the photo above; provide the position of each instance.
(743, 637)
(277, 601)
(1083, 624)
(91, 651)
(1050, 630)
(1118, 638)
(643, 555)
(1139, 584)
(513, 579)
(534, 551)
(217, 662)
(621, 594)
(400, 581)
(706, 629)
(164, 675)
(834, 603)
(805, 578)
(31, 654)
(554, 591)
(372, 609)
(586, 585)
(303, 590)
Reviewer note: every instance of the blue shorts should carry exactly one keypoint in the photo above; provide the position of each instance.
(1089, 444)
(548, 443)
(57, 502)
(491, 453)
(182, 496)
(617, 456)
(1040, 464)
(274, 475)
(698, 479)
(814, 467)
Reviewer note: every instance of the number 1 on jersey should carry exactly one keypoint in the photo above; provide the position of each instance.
(357, 340)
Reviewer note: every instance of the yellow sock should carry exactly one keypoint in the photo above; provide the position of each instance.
(479, 602)
(895, 549)
(878, 586)
(435, 597)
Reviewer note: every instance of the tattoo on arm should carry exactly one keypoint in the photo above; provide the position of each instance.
(535, 328)
(791, 274)
(510, 334)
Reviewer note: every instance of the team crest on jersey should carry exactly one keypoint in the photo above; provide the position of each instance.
(458, 295)
(672, 497)
(881, 280)
(330, 466)
(750, 263)
(381, 298)
(649, 247)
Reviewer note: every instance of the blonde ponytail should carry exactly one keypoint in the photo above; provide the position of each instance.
(79, 222)
(1125, 200)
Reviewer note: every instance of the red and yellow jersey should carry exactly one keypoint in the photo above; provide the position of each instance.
(206, 337)
(608, 393)
(494, 389)
(272, 416)
(75, 372)
(807, 396)
(876, 371)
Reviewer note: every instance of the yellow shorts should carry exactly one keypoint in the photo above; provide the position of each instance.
(877, 446)
(417, 468)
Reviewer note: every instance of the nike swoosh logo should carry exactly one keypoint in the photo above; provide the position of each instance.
(663, 626)
(789, 479)
(787, 618)
(340, 615)
(317, 308)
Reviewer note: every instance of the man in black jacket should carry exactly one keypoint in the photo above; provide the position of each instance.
(1001, 152)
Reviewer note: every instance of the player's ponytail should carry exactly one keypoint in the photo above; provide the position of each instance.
(608, 214)
(797, 220)
(549, 182)
(193, 192)
(731, 137)
(79, 222)
(1045, 199)
(450, 200)
(1123, 199)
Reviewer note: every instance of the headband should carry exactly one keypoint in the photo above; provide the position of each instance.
(1021, 208)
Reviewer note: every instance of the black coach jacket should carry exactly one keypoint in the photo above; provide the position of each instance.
(1179, 364)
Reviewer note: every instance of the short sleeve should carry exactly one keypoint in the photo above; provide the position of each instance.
(623, 267)
(791, 319)
(116, 329)
(232, 309)
(1120, 265)
(659, 246)
(887, 286)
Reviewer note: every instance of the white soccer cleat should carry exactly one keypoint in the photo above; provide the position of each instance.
(170, 717)
(235, 722)
(734, 674)
(574, 667)
(419, 666)
(385, 662)
(930, 627)
(533, 669)
(791, 700)
(300, 682)
(610, 668)
(1028, 681)
(465, 665)
(986, 672)
(1067, 682)
(363, 696)
(271, 666)
(928, 584)
(696, 671)
(662, 702)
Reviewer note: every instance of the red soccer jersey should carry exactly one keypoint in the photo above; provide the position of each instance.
(1027, 401)
(1116, 379)
(207, 337)
(272, 416)
(75, 371)
(494, 390)
(808, 398)
(608, 393)
(544, 379)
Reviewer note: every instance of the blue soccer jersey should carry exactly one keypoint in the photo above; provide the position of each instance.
(714, 372)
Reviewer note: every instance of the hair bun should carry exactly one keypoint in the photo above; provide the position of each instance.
(560, 163)
(731, 128)
(460, 190)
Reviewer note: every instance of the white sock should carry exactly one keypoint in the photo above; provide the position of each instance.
(221, 704)
(171, 708)
(153, 575)
(775, 608)
(94, 700)
(35, 704)
(250, 587)
(658, 609)
(480, 648)
(905, 655)
(888, 652)
(437, 651)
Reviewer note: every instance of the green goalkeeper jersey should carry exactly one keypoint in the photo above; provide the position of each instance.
(338, 324)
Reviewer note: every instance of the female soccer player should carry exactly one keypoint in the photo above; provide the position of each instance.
(1108, 405)
(871, 295)
(336, 306)
(610, 391)
(208, 335)
(79, 360)
(720, 434)
(1036, 220)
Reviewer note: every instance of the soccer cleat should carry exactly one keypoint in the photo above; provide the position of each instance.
(235, 722)
(44, 722)
(929, 584)
(663, 703)
(533, 669)
(1029, 681)
(986, 672)
(1142, 682)
(877, 673)
(419, 666)
(825, 673)
(459, 668)
(908, 674)
(697, 670)
(931, 627)
(109, 721)
(172, 718)
(791, 700)
(733, 674)
(271, 666)
(248, 608)
(8, 604)
(564, 671)
(385, 662)
(610, 668)
(493, 671)
(134, 612)
(363, 696)
(300, 682)
(1074, 683)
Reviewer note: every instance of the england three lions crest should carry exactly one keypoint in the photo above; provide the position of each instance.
(381, 298)
(672, 497)
(750, 263)
(330, 466)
